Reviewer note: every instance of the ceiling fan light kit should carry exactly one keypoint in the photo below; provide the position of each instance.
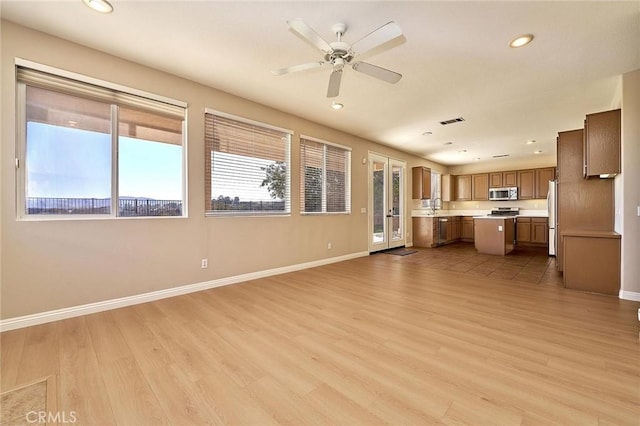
(339, 54)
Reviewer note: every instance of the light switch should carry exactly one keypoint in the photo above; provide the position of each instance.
(638, 211)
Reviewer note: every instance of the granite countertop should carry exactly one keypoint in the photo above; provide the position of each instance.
(590, 233)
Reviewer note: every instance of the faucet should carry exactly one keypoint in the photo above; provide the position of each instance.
(434, 206)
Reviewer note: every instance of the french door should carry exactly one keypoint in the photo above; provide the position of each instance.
(386, 202)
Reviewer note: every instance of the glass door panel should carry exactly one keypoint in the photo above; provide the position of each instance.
(386, 205)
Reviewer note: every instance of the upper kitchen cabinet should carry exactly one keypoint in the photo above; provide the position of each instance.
(448, 188)
(526, 184)
(421, 183)
(480, 187)
(503, 179)
(542, 178)
(601, 151)
(463, 187)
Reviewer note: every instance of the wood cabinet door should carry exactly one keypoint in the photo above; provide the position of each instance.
(480, 187)
(420, 183)
(543, 176)
(509, 179)
(526, 184)
(423, 235)
(602, 134)
(463, 187)
(540, 232)
(467, 229)
(523, 230)
(495, 180)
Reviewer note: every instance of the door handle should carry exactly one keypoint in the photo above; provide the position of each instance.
(389, 215)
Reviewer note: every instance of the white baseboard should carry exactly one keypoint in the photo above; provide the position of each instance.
(629, 295)
(92, 308)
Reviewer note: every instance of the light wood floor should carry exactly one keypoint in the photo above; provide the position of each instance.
(375, 340)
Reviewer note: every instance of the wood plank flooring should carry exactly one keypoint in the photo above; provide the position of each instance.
(376, 340)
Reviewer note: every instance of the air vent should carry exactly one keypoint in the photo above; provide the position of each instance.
(453, 120)
(501, 155)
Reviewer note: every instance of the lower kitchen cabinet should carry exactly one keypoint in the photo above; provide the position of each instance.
(425, 231)
(532, 230)
(592, 261)
(467, 229)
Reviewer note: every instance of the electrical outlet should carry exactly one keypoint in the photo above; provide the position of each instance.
(329, 246)
(363, 210)
(499, 228)
(204, 263)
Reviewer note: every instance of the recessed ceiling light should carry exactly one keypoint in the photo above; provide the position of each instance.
(427, 133)
(476, 159)
(336, 105)
(102, 6)
(520, 41)
(463, 150)
(537, 152)
(448, 143)
(530, 141)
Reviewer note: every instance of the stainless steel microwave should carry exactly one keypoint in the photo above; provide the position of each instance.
(503, 194)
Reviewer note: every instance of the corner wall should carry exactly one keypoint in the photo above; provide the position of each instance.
(630, 272)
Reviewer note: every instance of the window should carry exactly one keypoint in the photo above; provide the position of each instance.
(325, 179)
(247, 167)
(94, 151)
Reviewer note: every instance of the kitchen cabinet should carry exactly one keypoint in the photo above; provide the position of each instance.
(601, 144)
(448, 188)
(526, 184)
(454, 229)
(532, 230)
(542, 178)
(539, 230)
(592, 261)
(421, 183)
(463, 187)
(425, 231)
(480, 187)
(467, 229)
(503, 179)
(509, 179)
(523, 230)
(586, 204)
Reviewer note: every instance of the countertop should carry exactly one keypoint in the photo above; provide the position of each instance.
(474, 213)
(590, 234)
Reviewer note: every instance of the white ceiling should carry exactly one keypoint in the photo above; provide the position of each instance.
(453, 56)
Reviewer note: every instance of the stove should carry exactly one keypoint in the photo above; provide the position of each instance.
(505, 211)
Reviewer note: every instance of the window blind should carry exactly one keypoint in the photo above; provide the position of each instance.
(325, 178)
(246, 167)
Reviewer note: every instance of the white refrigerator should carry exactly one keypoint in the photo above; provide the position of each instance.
(552, 207)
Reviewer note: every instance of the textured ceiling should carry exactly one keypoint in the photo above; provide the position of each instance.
(454, 58)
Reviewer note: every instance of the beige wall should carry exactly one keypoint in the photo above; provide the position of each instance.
(630, 177)
(48, 265)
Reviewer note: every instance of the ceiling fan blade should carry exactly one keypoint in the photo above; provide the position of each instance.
(334, 84)
(377, 72)
(307, 32)
(296, 68)
(385, 33)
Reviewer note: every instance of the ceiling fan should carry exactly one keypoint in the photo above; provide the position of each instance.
(339, 54)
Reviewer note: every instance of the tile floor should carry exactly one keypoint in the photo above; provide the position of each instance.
(525, 264)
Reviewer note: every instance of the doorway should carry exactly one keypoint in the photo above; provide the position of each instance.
(387, 178)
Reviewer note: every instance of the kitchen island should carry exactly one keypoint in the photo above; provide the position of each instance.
(494, 234)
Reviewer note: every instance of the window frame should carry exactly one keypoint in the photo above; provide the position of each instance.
(208, 172)
(347, 195)
(21, 139)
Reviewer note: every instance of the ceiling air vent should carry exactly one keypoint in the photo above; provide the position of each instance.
(501, 155)
(451, 121)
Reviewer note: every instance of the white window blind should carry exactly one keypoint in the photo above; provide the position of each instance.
(246, 167)
(325, 178)
(87, 150)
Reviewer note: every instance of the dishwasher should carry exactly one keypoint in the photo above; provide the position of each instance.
(442, 230)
